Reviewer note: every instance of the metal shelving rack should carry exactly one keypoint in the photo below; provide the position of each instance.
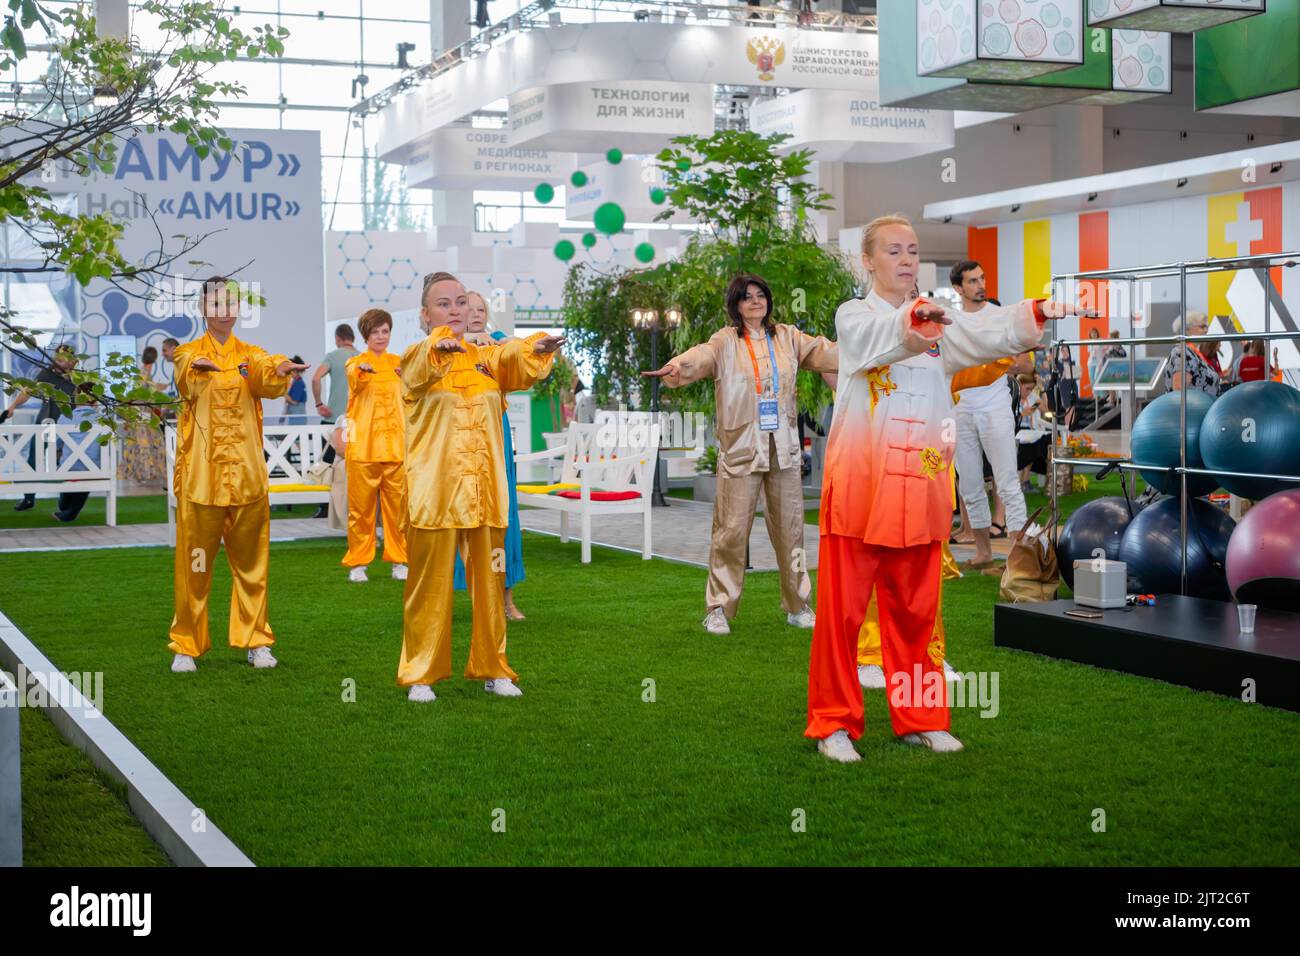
(1133, 275)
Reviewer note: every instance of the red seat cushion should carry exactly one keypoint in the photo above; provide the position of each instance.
(602, 495)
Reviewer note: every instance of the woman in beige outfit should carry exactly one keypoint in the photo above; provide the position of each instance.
(753, 363)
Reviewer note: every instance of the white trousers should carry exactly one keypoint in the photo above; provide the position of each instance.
(991, 432)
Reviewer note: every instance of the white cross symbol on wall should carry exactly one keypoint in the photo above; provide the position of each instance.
(1244, 231)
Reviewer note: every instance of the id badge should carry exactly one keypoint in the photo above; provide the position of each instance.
(768, 417)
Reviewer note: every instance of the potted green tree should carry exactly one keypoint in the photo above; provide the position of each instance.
(753, 203)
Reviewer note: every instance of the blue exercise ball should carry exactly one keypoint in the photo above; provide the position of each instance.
(1152, 549)
(1254, 427)
(1098, 525)
(1156, 442)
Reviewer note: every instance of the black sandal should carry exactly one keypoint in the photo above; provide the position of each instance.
(1001, 531)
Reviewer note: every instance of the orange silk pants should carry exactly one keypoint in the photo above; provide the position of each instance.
(200, 530)
(376, 485)
(906, 583)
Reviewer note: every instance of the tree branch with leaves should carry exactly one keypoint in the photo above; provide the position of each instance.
(104, 91)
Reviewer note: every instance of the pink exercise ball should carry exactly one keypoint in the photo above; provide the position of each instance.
(1263, 562)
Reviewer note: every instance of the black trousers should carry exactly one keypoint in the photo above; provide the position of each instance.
(1033, 454)
(71, 503)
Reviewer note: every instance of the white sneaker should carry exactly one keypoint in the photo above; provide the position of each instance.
(503, 687)
(805, 618)
(399, 572)
(838, 747)
(260, 657)
(183, 664)
(716, 622)
(949, 674)
(940, 741)
(871, 676)
(358, 575)
(421, 694)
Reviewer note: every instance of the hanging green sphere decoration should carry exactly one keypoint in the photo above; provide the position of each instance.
(564, 250)
(615, 156)
(683, 164)
(609, 218)
(579, 178)
(657, 196)
(644, 252)
(588, 239)
(544, 192)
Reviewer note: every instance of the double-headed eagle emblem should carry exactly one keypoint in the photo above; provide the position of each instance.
(766, 53)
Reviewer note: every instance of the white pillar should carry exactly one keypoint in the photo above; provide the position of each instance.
(827, 223)
(113, 18)
(449, 27)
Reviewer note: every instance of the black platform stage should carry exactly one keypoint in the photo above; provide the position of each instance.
(1182, 640)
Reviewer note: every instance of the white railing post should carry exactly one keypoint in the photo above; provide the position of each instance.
(11, 791)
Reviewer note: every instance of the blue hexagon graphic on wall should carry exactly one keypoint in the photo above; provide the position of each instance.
(120, 314)
(381, 278)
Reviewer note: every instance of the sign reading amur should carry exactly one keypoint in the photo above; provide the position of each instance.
(149, 160)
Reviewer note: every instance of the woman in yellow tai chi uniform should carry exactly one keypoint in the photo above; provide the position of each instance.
(375, 449)
(220, 480)
(453, 392)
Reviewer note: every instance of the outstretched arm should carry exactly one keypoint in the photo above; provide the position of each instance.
(428, 360)
(1010, 330)
(868, 340)
(518, 363)
(693, 365)
(268, 375)
(192, 373)
(815, 353)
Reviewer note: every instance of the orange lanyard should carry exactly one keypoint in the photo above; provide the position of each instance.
(758, 379)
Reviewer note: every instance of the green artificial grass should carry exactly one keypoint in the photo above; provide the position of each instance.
(131, 509)
(72, 814)
(583, 769)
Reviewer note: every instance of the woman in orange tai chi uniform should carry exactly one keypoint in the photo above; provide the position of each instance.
(887, 495)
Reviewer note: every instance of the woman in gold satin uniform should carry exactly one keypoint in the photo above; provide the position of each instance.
(376, 447)
(453, 393)
(220, 480)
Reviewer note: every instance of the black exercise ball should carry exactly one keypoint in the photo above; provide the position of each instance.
(1152, 549)
(1097, 525)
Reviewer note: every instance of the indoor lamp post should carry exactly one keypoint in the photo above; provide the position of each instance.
(650, 319)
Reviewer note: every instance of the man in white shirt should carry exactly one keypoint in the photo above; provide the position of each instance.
(985, 426)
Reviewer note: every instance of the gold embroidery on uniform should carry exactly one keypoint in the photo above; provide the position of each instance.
(936, 652)
(931, 463)
(881, 384)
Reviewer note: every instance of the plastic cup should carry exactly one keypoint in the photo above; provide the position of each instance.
(1246, 618)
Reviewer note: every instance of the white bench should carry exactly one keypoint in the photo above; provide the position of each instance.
(63, 462)
(590, 464)
(291, 452)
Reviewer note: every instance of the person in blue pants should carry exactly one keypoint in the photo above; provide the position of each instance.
(514, 541)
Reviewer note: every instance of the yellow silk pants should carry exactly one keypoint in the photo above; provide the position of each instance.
(426, 616)
(733, 516)
(371, 485)
(869, 635)
(200, 531)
